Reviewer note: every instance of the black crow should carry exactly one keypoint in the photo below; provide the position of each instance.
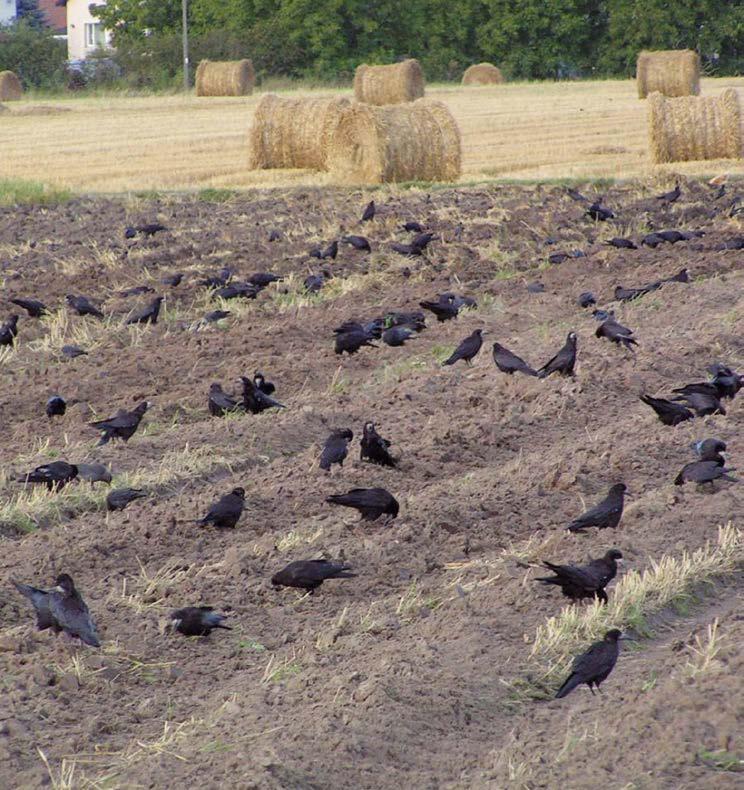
(563, 362)
(262, 279)
(508, 362)
(602, 315)
(629, 294)
(599, 213)
(147, 315)
(136, 291)
(226, 511)
(398, 335)
(536, 287)
(73, 351)
(605, 514)
(56, 406)
(122, 425)
(94, 473)
(444, 309)
(172, 279)
(421, 241)
(374, 448)
(216, 315)
(82, 306)
(682, 276)
(576, 195)
(703, 472)
(369, 211)
(220, 403)
(669, 413)
(370, 502)
(413, 320)
(54, 475)
(702, 402)
(617, 333)
(330, 252)
(40, 600)
(352, 340)
(217, 280)
(119, 498)
(621, 244)
(254, 400)
(671, 236)
(336, 448)
(652, 240)
(726, 381)
(467, 350)
(267, 387)
(358, 243)
(310, 574)
(275, 236)
(594, 666)
(587, 299)
(9, 331)
(150, 228)
(197, 620)
(236, 289)
(413, 227)
(710, 450)
(314, 283)
(670, 197)
(584, 581)
(405, 249)
(33, 307)
(557, 258)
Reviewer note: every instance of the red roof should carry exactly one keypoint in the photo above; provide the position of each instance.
(55, 15)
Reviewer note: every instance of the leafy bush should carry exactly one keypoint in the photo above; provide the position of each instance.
(33, 54)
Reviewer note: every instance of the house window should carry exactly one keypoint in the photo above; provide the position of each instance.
(94, 35)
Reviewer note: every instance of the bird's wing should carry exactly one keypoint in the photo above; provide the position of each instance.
(73, 616)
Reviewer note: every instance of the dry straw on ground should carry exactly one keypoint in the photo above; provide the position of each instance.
(10, 87)
(289, 133)
(419, 141)
(672, 72)
(225, 78)
(395, 84)
(696, 127)
(482, 74)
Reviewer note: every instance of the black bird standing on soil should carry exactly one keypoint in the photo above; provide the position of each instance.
(586, 299)
(119, 498)
(703, 472)
(267, 387)
(726, 381)
(374, 448)
(197, 620)
(71, 352)
(54, 476)
(584, 581)
(668, 412)
(33, 307)
(147, 315)
(444, 309)
(370, 502)
(262, 279)
(671, 197)
(710, 450)
(563, 362)
(369, 212)
(62, 609)
(605, 514)
(173, 280)
(148, 229)
(594, 666)
(9, 331)
(336, 448)
(508, 362)
(702, 402)
(358, 243)
(599, 213)
(621, 244)
(136, 291)
(398, 335)
(617, 333)
(629, 294)
(467, 349)
(56, 406)
(352, 340)
(219, 402)
(255, 400)
(122, 425)
(310, 574)
(82, 306)
(215, 315)
(226, 511)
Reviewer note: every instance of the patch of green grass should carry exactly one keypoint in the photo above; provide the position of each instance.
(16, 192)
(440, 353)
(281, 673)
(212, 195)
(650, 684)
(721, 760)
(251, 644)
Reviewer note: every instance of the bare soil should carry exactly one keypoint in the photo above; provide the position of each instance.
(400, 677)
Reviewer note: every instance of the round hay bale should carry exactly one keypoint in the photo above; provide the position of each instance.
(10, 87)
(395, 84)
(482, 74)
(672, 72)
(419, 141)
(225, 78)
(696, 127)
(293, 132)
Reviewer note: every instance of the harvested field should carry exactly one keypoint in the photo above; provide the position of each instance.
(419, 672)
(512, 131)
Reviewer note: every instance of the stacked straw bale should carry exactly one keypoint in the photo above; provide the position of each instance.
(696, 127)
(225, 78)
(482, 74)
(293, 132)
(395, 84)
(419, 141)
(672, 72)
(10, 87)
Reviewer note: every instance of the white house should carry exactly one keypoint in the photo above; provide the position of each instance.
(7, 11)
(85, 33)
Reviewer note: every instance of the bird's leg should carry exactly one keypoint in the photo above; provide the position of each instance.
(591, 689)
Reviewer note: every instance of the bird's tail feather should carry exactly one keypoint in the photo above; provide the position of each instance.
(572, 681)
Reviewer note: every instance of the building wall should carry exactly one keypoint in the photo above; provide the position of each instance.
(7, 11)
(79, 43)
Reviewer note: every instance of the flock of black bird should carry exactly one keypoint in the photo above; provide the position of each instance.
(62, 609)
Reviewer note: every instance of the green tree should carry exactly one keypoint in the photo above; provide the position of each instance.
(29, 12)
(34, 54)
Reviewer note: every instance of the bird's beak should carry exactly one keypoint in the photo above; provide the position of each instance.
(58, 589)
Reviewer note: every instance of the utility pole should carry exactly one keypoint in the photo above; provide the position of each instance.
(185, 10)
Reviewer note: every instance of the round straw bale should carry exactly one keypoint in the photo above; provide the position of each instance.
(293, 132)
(696, 127)
(225, 78)
(418, 141)
(10, 87)
(395, 84)
(482, 74)
(673, 72)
